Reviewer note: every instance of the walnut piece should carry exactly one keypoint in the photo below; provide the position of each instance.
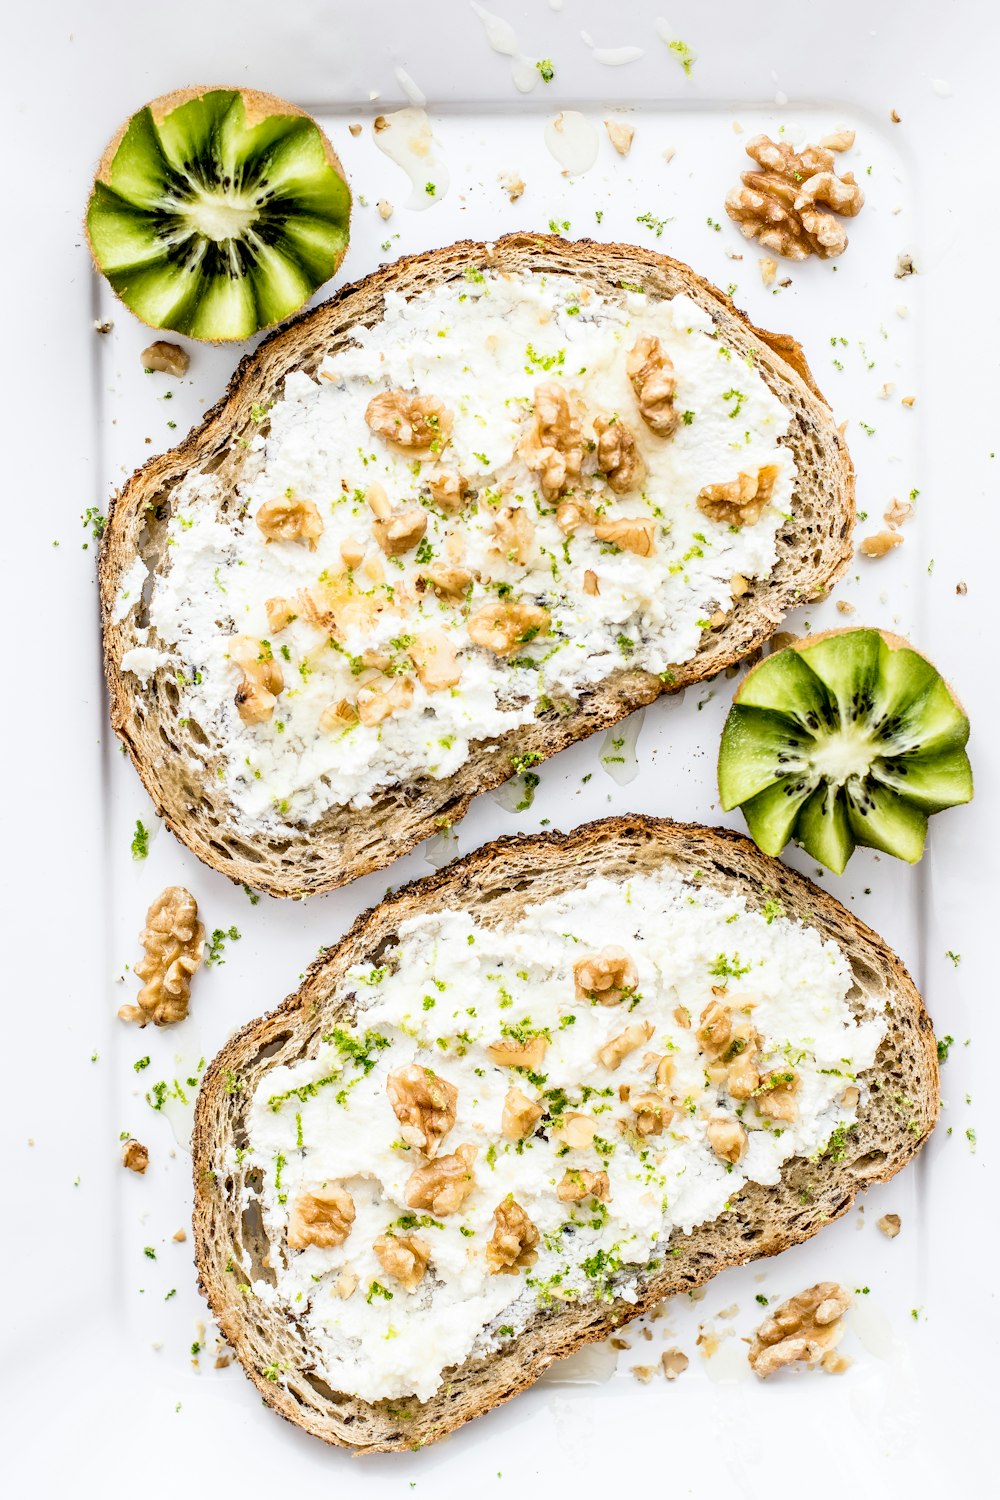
(607, 976)
(674, 1362)
(715, 1027)
(727, 1139)
(447, 582)
(741, 502)
(512, 184)
(575, 1131)
(167, 359)
(435, 659)
(262, 680)
(652, 1113)
(774, 1096)
(743, 1055)
(782, 206)
(880, 543)
(404, 1257)
(577, 1183)
(443, 1185)
(340, 715)
(514, 1239)
(651, 372)
(805, 1328)
(290, 520)
(174, 942)
(520, 1115)
(890, 1225)
(510, 1053)
(514, 535)
(135, 1155)
(615, 1051)
(380, 701)
(552, 446)
(502, 626)
(420, 424)
(630, 533)
(396, 531)
(572, 514)
(323, 1216)
(280, 614)
(424, 1105)
(449, 489)
(618, 458)
(620, 136)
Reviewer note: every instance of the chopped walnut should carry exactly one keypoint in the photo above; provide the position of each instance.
(340, 715)
(880, 543)
(607, 976)
(449, 489)
(404, 1257)
(804, 1328)
(290, 520)
(501, 627)
(447, 581)
(514, 535)
(424, 1105)
(845, 608)
(520, 1115)
(775, 1095)
(512, 185)
(509, 1053)
(651, 372)
(384, 208)
(715, 1027)
(782, 205)
(420, 424)
(262, 680)
(741, 502)
(838, 140)
(620, 136)
(768, 269)
(514, 1239)
(166, 359)
(727, 1139)
(618, 458)
(345, 1285)
(435, 659)
(135, 1155)
(552, 446)
(630, 534)
(591, 583)
(578, 1184)
(323, 1216)
(443, 1185)
(890, 1225)
(652, 1113)
(174, 941)
(280, 614)
(674, 1362)
(572, 514)
(396, 531)
(615, 1051)
(378, 702)
(352, 552)
(743, 1055)
(575, 1130)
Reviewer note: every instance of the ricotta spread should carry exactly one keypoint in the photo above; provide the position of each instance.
(446, 992)
(482, 347)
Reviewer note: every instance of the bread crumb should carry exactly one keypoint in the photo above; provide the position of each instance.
(904, 265)
(620, 136)
(845, 608)
(354, 129)
(157, 1344)
(620, 1344)
(512, 185)
(960, 588)
(898, 511)
(729, 1312)
(895, 116)
(733, 254)
(887, 390)
(674, 1362)
(909, 401)
(104, 327)
(646, 1333)
(179, 1236)
(890, 1225)
(768, 269)
(669, 153)
(902, 311)
(644, 1373)
(384, 208)
(835, 1363)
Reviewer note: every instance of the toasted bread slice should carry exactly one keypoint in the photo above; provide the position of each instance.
(498, 884)
(175, 759)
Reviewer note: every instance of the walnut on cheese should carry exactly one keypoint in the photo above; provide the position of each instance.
(514, 1239)
(741, 501)
(262, 679)
(652, 1113)
(618, 458)
(575, 1131)
(403, 1257)
(520, 1115)
(380, 700)
(514, 535)
(511, 1053)
(783, 205)
(630, 533)
(774, 1096)
(420, 424)
(396, 531)
(443, 1185)
(174, 942)
(552, 446)
(502, 626)
(615, 1051)
(607, 976)
(322, 1216)
(727, 1138)
(424, 1105)
(651, 372)
(436, 660)
(806, 1328)
(449, 489)
(577, 1183)
(290, 520)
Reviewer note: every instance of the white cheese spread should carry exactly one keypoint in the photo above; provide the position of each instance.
(448, 990)
(482, 348)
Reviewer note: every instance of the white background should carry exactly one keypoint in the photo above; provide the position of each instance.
(87, 1400)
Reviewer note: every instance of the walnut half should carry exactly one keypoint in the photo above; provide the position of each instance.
(290, 520)
(607, 976)
(552, 446)
(502, 626)
(442, 1186)
(741, 502)
(262, 680)
(420, 424)
(618, 458)
(322, 1216)
(651, 372)
(404, 1257)
(805, 1328)
(782, 205)
(514, 1239)
(174, 941)
(424, 1105)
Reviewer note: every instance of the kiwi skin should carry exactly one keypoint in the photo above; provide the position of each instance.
(258, 106)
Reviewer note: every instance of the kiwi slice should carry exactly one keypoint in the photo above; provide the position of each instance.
(218, 212)
(846, 738)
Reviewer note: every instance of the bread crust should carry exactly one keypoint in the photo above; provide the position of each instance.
(497, 882)
(814, 548)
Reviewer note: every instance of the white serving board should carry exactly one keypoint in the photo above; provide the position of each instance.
(97, 1384)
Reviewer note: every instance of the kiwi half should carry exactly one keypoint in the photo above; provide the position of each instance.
(845, 738)
(218, 212)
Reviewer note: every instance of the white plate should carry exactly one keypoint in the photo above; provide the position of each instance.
(91, 1332)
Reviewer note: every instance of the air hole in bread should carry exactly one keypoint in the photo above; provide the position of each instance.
(870, 1164)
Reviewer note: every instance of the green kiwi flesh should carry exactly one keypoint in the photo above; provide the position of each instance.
(216, 226)
(844, 739)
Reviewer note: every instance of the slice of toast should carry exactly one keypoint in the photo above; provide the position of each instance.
(175, 758)
(498, 884)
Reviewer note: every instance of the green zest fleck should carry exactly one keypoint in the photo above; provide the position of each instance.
(944, 1046)
(218, 943)
(378, 1290)
(140, 841)
(545, 68)
(684, 55)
